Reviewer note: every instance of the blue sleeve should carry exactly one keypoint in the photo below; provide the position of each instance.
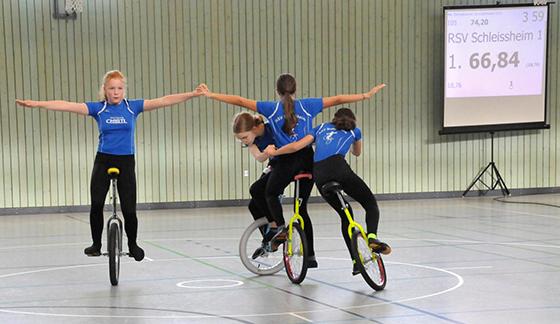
(358, 133)
(94, 107)
(266, 108)
(314, 106)
(137, 106)
(314, 131)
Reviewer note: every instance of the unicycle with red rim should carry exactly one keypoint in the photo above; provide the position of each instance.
(369, 263)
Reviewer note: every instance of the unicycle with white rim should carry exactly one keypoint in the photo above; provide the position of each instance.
(114, 232)
(269, 261)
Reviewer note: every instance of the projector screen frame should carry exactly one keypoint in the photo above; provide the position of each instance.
(498, 127)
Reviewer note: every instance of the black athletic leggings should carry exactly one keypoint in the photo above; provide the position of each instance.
(335, 168)
(285, 169)
(126, 186)
(257, 205)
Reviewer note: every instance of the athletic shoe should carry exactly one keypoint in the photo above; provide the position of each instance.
(258, 253)
(377, 246)
(136, 252)
(355, 269)
(93, 251)
(312, 262)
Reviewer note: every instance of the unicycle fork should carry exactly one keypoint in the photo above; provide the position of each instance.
(114, 232)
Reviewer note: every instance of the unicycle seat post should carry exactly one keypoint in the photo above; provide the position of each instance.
(301, 175)
(336, 188)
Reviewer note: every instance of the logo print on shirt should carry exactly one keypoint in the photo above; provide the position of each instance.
(116, 120)
(329, 137)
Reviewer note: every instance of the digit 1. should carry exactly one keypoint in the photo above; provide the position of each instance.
(452, 67)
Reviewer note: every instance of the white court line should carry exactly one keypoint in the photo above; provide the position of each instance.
(517, 212)
(470, 268)
(460, 282)
(479, 242)
(301, 317)
(146, 258)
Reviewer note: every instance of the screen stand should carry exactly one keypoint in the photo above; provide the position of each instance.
(493, 169)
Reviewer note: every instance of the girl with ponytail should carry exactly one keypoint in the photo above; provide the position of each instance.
(290, 120)
(332, 141)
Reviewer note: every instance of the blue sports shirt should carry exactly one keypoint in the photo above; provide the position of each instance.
(305, 109)
(116, 125)
(330, 141)
(266, 139)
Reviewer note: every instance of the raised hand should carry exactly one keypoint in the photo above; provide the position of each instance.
(203, 88)
(374, 90)
(200, 90)
(26, 103)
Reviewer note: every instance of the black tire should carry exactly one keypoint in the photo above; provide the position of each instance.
(370, 264)
(266, 264)
(114, 252)
(295, 261)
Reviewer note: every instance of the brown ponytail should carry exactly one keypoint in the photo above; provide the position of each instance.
(344, 119)
(286, 88)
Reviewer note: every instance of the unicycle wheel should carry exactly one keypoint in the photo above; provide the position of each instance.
(114, 253)
(267, 262)
(295, 255)
(370, 264)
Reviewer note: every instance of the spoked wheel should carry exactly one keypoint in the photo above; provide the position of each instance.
(370, 264)
(262, 262)
(114, 253)
(295, 255)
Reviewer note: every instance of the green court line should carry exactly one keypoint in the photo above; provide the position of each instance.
(209, 264)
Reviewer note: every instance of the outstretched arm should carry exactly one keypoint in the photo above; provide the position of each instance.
(170, 100)
(290, 148)
(349, 98)
(59, 105)
(230, 99)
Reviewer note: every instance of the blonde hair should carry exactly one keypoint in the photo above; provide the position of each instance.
(114, 74)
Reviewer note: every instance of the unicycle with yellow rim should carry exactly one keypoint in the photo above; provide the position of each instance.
(114, 232)
(369, 263)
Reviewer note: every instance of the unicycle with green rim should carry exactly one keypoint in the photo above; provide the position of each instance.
(114, 232)
(369, 263)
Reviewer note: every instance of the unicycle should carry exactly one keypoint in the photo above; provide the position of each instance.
(267, 263)
(295, 247)
(369, 263)
(114, 232)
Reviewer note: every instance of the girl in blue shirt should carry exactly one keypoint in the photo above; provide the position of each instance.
(332, 141)
(255, 133)
(291, 119)
(116, 119)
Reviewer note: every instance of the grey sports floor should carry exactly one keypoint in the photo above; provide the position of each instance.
(472, 260)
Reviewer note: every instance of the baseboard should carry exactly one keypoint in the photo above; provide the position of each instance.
(244, 202)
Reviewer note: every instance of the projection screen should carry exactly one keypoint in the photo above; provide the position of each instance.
(495, 68)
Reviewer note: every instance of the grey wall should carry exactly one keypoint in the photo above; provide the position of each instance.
(186, 153)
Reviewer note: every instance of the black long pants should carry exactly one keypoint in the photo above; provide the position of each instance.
(257, 205)
(286, 168)
(335, 168)
(126, 187)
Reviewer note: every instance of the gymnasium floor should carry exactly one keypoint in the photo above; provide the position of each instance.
(472, 260)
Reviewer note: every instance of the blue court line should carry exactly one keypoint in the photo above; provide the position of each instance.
(388, 301)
